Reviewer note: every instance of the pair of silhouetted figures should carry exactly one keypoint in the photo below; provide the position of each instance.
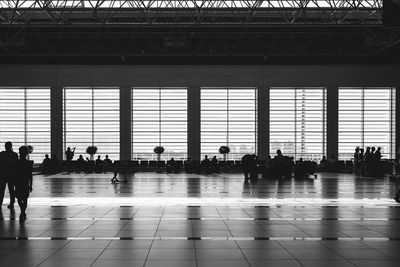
(210, 166)
(16, 172)
(368, 163)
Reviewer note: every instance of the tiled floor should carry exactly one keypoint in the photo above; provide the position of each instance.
(196, 220)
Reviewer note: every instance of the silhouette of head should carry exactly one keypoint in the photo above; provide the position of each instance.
(8, 146)
(206, 157)
(373, 149)
(368, 148)
(46, 156)
(279, 152)
(98, 157)
(106, 156)
(80, 156)
(23, 152)
(379, 148)
(357, 149)
(362, 150)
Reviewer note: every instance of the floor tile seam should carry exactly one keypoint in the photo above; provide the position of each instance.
(229, 230)
(283, 247)
(241, 250)
(101, 253)
(57, 250)
(298, 229)
(148, 253)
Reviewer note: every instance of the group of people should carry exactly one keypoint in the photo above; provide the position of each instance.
(368, 163)
(53, 165)
(16, 173)
(89, 166)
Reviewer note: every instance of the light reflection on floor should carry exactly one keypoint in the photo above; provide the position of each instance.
(204, 220)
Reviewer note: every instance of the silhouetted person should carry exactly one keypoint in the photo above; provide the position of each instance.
(247, 165)
(171, 165)
(356, 158)
(206, 164)
(69, 155)
(324, 164)
(46, 165)
(55, 163)
(80, 164)
(214, 165)
(373, 162)
(107, 164)
(361, 160)
(98, 165)
(300, 170)
(89, 165)
(367, 160)
(377, 160)
(23, 181)
(254, 169)
(8, 168)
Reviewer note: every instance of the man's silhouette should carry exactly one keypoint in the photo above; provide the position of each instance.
(8, 164)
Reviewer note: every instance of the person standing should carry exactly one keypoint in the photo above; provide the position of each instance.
(69, 155)
(8, 162)
(247, 163)
(23, 181)
(356, 158)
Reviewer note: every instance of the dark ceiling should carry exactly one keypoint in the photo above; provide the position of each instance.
(256, 32)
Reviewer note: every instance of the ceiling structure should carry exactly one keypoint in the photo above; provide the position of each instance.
(186, 32)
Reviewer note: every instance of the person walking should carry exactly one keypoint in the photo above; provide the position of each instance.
(23, 181)
(8, 162)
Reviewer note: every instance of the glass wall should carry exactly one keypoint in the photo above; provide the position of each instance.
(25, 119)
(228, 117)
(159, 118)
(91, 117)
(366, 118)
(298, 122)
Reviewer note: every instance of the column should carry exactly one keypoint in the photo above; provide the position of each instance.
(56, 105)
(263, 122)
(332, 122)
(193, 126)
(125, 114)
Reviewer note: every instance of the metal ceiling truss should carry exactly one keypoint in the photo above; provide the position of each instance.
(185, 12)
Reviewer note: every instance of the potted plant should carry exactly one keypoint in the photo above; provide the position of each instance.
(224, 150)
(158, 150)
(91, 150)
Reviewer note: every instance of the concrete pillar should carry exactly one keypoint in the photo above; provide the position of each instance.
(56, 117)
(125, 125)
(263, 122)
(193, 126)
(332, 122)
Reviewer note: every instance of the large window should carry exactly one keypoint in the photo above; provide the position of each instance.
(366, 118)
(91, 117)
(159, 118)
(228, 117)
(298, 122)
(25, 119)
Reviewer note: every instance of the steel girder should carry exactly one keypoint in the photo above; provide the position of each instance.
(188, 13)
